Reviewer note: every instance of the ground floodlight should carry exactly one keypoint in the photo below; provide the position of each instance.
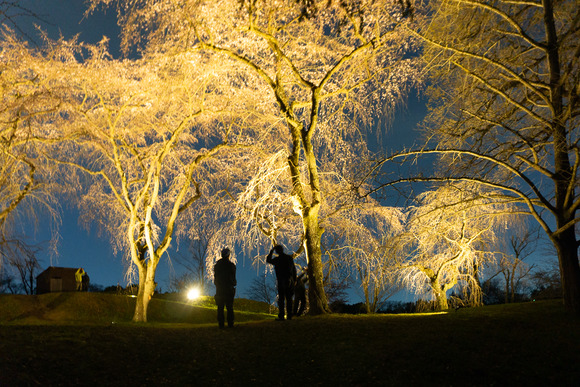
(193, 294)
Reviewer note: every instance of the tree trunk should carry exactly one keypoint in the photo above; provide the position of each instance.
(318, 303)
(440, 295)
(309, 212)
(567, 249)
(564, 175)
(441, 301)
(367, 301)
(146, 288)
(507, 290)
(513, 285)
(312, 230)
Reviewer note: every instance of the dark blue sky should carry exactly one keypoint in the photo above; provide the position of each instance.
(65, 17)
(80, 248)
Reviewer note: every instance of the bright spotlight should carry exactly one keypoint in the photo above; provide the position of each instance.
(193, 293)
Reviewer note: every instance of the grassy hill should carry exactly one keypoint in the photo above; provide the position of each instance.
(102, 308)
(57, 340)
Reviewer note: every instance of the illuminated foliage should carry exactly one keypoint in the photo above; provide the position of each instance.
(369, 245)
(325, 67)
(25, 178)
(25, 186)
(139, 142)
(451, 234)
(506, 109)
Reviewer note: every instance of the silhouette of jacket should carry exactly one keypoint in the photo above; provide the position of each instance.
(285, 280)
(225, 276)
(225, 290)
(300, 294)
(284, 268)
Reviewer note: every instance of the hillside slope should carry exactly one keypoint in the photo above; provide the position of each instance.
(102, 308)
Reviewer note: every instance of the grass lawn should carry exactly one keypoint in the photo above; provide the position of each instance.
(532, 344)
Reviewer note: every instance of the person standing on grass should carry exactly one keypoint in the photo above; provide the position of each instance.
(79, 274)
(225, 288)
(85, 282)
(285, 280)
(300, 293)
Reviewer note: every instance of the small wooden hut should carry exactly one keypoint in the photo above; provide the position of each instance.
(58, 279)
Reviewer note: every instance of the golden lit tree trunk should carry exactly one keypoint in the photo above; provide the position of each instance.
(142, 302)
(439, 290)
(440, 294)
(146, 279)
(310, 219)
(313, 233)
(146, 289)
(310, 209)
(147, 285)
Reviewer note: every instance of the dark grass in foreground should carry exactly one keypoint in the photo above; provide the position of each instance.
(529, 344)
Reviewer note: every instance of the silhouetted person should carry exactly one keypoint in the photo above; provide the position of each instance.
(79, 278)
(300, 294)
(85, 282)
(225, 288)
(285, 280)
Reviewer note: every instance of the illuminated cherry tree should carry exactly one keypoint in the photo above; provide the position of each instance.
(506, 109)
(26, 187)
(325, 66)
(370, 246)
(451, 234)
(137, 139)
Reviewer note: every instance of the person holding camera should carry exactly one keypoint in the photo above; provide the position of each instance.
(300, 293)
(285, 280)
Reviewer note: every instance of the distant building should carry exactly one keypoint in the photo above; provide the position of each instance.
(59, 279)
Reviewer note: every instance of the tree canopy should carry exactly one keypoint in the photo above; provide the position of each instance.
(325, 66)
(505, 109)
